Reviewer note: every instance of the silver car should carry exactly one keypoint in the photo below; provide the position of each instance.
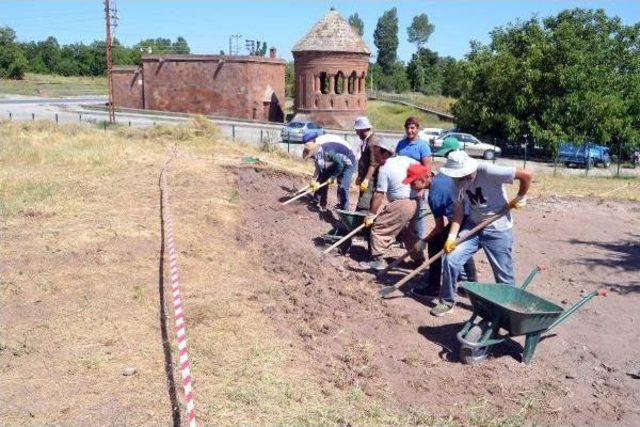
(293, 131)
(472, 145)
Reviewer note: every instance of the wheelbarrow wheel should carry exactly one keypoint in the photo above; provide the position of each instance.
(470, 355)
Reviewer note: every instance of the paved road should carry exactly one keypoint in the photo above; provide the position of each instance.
(72, 110)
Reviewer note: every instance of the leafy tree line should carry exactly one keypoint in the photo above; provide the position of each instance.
(75, 59)
(571, 77)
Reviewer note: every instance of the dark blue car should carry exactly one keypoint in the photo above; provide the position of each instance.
(587, 155)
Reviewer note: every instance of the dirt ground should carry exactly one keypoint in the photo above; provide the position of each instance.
(583, 374)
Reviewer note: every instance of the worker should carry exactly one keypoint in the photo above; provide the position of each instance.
(416, 148)
(440, 201)
(395, 218)
(483, 188)
(367, 165)
(332, 161)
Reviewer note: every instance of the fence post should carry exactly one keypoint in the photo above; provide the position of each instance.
(233, 132)
(261, 136)
(80, 117)
(10, 116)
(56, 118)
(288, 143)
(525, 154)
(33, 116)
(105, 125)
(619, 158)
(129, 123)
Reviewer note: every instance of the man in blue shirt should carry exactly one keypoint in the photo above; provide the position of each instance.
(441, 204)
(419, 150)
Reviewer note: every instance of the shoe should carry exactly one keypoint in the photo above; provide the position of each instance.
(441, 309)
(322, 209)
(375, 264)
(424, 293)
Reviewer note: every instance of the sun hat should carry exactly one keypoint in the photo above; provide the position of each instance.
(416, 171)
(459, 164)
(309, 150)
(386, 144)
(362, 123)
(308, 136)
(448, 145)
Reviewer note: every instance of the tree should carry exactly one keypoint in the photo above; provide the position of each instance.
(356, 24)
(420, 30)
(181, 46)
(570, 77)
(385, 37)
(13, 61)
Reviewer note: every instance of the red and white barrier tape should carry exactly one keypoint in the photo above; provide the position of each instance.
(178, 311)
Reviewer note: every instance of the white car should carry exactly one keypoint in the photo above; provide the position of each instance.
(430, 134)
(472, 145)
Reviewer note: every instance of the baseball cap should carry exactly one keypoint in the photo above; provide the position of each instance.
(386, 144)
(308, 136)
(448, 145)
(416, 171)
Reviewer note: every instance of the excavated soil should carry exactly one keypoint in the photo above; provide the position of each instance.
(583, 374)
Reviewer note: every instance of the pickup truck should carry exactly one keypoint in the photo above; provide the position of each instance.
(587, 155)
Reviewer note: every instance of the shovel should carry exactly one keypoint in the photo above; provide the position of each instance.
(304, 193)
(345, 238)
(384, 292)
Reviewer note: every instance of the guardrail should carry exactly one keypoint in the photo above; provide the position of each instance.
(400, 99)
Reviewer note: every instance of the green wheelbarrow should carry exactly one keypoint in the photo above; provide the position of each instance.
(347, 222)
(517, 311)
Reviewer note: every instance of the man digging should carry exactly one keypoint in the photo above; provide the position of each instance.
(482, 187)
(394, 219)
(367, 165)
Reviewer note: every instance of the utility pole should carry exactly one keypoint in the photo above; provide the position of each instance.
(108, 16)
(234, 47)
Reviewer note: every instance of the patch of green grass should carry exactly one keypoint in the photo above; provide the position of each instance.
(391, 117)
(54, 86)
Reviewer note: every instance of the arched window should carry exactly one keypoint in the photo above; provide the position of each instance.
(339, 83)
(324, 83)
(353, 83)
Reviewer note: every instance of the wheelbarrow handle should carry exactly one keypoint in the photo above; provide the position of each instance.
(531, 276)
(568, 312)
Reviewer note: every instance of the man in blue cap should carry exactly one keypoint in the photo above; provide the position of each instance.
(332, 160)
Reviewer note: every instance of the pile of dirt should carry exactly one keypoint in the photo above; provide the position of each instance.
(393, 347)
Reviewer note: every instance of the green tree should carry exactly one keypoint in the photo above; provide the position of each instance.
(385, 37)
(289, 80)
(420, 30)
(573, 77)
(181, 46)
(416, 74)
(13, 62)
(49, 53)
(356, 24)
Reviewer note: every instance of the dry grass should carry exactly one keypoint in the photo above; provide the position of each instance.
(584, 186)
(54, 86)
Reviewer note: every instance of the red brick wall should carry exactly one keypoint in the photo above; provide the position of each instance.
(127, 87)
(235, 87)
(330, 109)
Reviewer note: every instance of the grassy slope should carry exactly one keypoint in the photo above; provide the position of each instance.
(389, 116)
(54, 86)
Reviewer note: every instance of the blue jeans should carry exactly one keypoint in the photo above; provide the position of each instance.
(343, 187)
(421, 218)
(497, 245)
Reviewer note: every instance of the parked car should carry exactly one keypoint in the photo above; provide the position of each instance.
(472, 145)
(293, 131)
(587, 154)
(430, 134)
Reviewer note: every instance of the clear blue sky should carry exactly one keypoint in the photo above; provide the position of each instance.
(207, 25)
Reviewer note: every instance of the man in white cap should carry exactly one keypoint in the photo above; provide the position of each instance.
(395, 218)
(367, 165)
(482, 187)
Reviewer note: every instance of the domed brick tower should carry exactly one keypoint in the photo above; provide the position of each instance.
(331, 63)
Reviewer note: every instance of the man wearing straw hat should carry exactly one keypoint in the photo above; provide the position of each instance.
(332, 161)
(395, 218)
(367, 165)
(482, 187)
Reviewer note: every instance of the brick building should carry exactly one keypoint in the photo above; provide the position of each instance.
(331, 63)
(245, 87)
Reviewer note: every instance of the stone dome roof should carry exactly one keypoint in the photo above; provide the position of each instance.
(331, 34)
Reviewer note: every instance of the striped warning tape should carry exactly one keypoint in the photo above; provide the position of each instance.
(178, 311)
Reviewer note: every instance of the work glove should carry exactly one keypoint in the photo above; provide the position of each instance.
(364, 185)
(450, 244)
(518, 202)
(332, 179)
(368, 221)
(419, 246)
(314, 185)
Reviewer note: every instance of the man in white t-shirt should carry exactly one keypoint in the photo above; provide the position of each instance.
(394, 219)
(482, 187)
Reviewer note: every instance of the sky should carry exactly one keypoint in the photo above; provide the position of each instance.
(207, 25)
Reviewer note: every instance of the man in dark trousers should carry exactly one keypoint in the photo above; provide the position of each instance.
(440, 200)
(367, 165)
